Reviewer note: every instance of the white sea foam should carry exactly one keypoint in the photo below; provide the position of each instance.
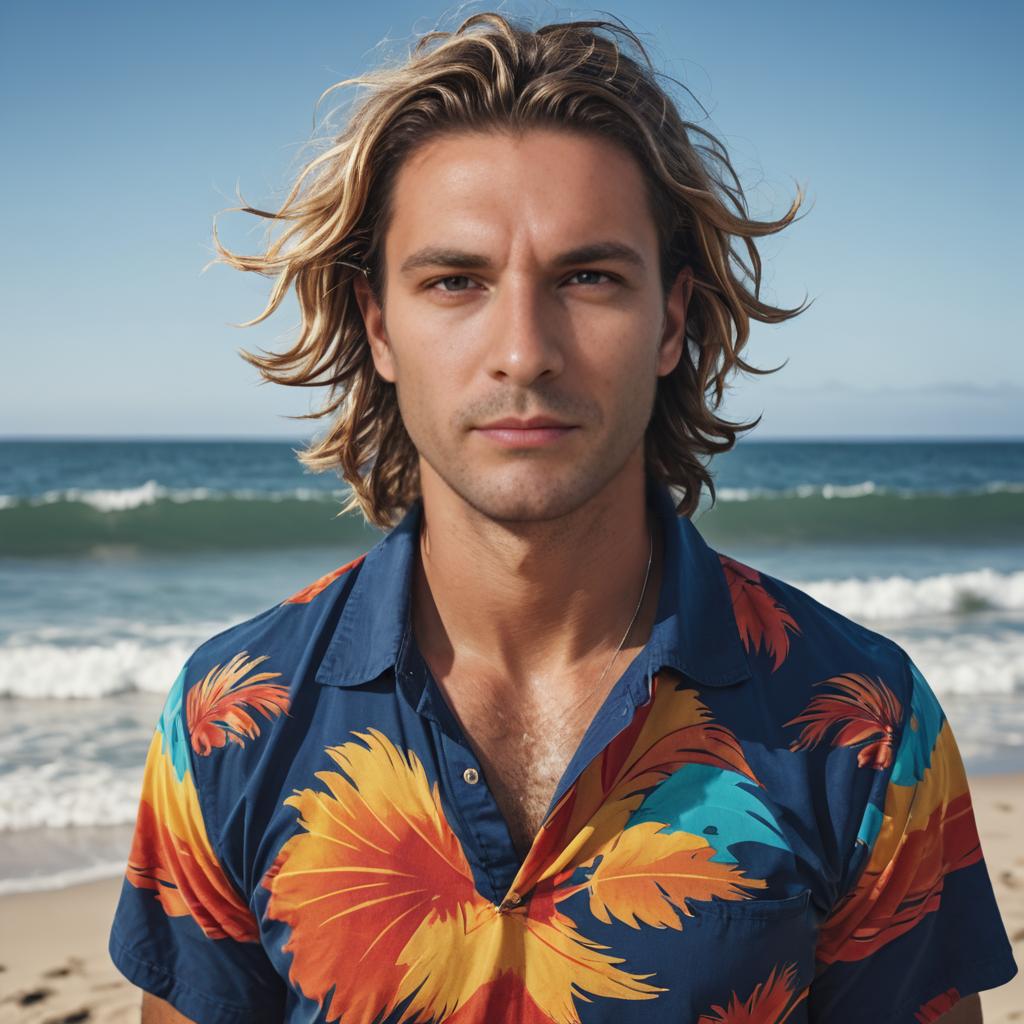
(116, 656)
(62, 879)
(859, 490)
(41, 671)
(126, 498)
(68, 769)
(54, 796)
(969, 664)
(70, 772)
(885, 598)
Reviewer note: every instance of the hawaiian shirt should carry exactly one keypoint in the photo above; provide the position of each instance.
(767, 820)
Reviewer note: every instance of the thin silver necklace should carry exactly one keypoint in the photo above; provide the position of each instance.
(647, 575)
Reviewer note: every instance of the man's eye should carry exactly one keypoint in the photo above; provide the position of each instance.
(433, 285)
(599, 273)
(453, 277)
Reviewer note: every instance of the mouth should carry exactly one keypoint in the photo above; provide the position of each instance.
(537, 432)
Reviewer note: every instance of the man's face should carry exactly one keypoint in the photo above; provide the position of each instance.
(487, 316)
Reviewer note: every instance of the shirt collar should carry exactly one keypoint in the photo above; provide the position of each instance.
(695, 627)
(694, 631)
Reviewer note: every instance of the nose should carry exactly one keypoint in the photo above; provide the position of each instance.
(527, 333)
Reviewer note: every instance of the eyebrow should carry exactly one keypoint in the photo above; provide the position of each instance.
(442, 256)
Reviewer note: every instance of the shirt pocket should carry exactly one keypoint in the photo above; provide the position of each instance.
(775, 910)
(756, 949)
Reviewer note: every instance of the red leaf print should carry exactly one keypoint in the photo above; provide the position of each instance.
(372, 864)
(888, 902)
(771, 1002)
(672, 729)
(381, 901)
(171, 854)
(217, 708)
(761, 620)
(935, 1008)
(306, 594)
(863, 711)
(504, 998)
(185, 880)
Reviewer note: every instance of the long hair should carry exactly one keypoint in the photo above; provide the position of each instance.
(493, 74)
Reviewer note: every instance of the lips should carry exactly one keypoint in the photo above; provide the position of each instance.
(536, 432)
(534, 423)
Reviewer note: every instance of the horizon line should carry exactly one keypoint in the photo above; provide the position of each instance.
(266, 438)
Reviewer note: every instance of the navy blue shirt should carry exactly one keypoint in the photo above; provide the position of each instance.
(767, 820)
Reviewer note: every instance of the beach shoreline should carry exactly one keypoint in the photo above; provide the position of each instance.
(54, 967)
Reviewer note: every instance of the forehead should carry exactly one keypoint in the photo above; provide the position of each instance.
(543, 189)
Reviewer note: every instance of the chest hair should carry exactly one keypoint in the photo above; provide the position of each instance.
(524, 758)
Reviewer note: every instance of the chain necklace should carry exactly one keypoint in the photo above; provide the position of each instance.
(639, 604)
(629, 628)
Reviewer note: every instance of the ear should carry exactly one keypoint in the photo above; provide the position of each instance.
(376, 334)
(673, 335)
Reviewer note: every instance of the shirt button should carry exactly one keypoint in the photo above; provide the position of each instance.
(471, 775)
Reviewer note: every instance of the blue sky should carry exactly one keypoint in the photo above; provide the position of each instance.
(128, 126)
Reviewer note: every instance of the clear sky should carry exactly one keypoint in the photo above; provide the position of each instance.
(127, 126)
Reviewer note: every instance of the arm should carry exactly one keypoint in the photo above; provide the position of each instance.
(181, 931)
(918, 932)
(967, 1011)
(159, 1011)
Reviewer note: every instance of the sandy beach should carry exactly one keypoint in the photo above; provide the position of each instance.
(54, 967)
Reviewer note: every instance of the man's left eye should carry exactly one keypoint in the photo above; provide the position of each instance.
(598, 273)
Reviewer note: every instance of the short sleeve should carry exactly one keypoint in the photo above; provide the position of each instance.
(181, 930)
(919, 928)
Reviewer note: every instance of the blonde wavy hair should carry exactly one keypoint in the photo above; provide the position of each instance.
(493, 74)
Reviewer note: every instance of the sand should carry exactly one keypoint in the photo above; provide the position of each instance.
(55, 968)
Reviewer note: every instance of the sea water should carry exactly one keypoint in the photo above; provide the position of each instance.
(118, 558)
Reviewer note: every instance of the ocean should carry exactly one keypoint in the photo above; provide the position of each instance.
(118, 558)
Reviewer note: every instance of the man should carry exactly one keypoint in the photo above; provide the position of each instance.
(541, 754)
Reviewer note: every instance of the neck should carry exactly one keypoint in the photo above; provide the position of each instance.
(521, 607)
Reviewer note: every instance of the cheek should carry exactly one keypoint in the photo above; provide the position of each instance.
(427, 350)
(428, 400)
(628, 377)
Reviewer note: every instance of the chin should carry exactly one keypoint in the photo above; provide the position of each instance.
(540, 495)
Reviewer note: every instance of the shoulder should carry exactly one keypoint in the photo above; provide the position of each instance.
(276, 625)
(243, 679)
(237, 709)
(796, 641)
(846, 699)
(283, 633)
(845, 710)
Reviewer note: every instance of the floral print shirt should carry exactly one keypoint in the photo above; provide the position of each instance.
(766, 821)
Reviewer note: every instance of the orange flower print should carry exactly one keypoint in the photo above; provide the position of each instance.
(676, 863)
(671, 730)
